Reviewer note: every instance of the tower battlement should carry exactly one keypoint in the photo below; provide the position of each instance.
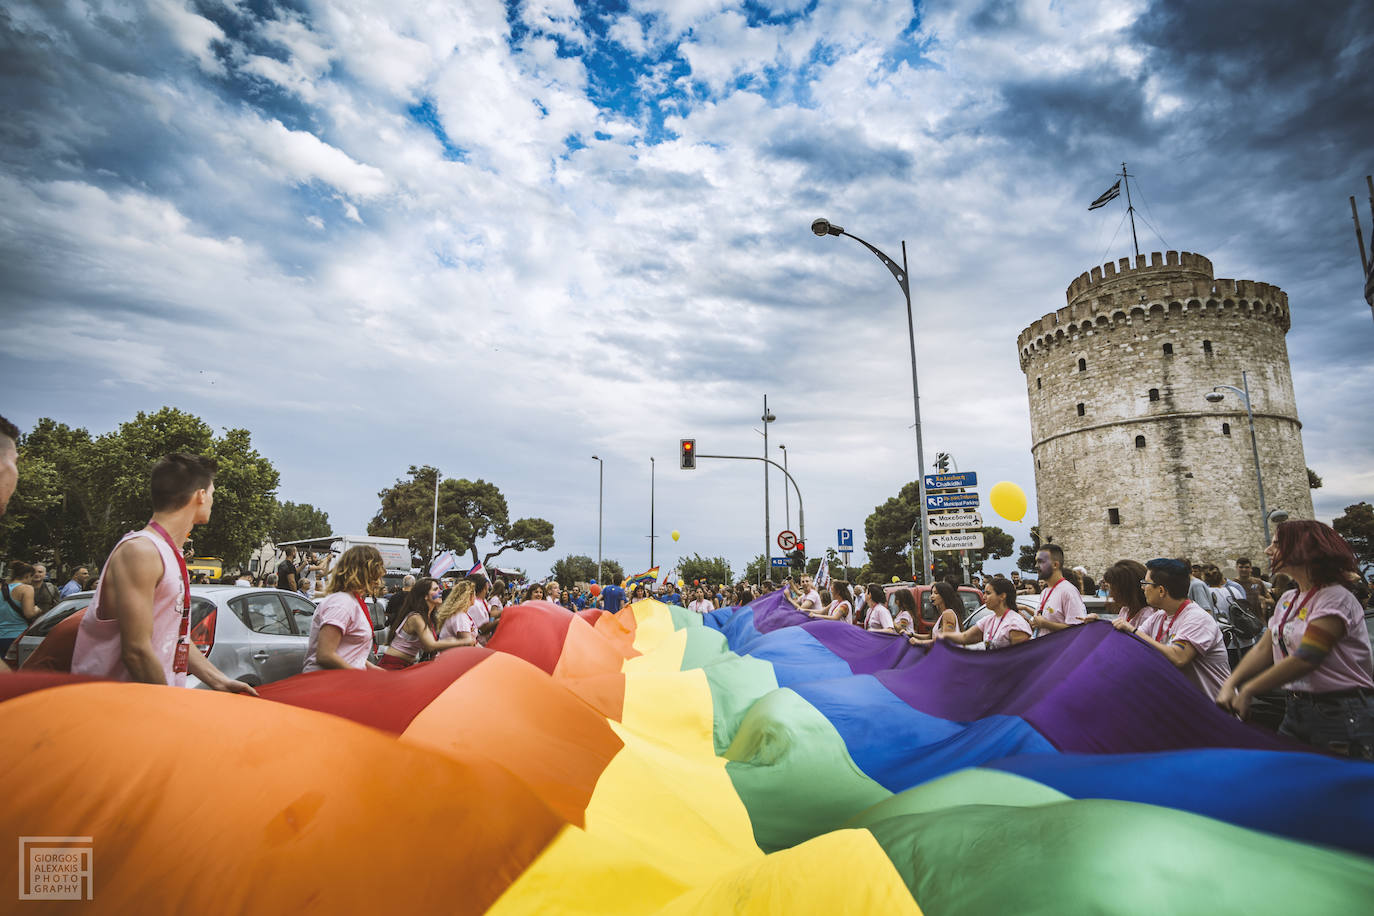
(1174, 263)
(1151, 292)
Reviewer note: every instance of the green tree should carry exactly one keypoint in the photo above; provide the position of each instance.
(1356, 525)
(705, 569)
(102, 487)
(575, 568)
(469, 511)
(1313, 481)
(757, 570)
(888, 536)
(296, 522)
(1025, 561)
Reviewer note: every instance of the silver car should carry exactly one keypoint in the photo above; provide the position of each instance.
(254, 635)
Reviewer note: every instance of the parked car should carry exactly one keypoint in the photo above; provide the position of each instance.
(1029, 606)
(927, 616)
(255, 635)
(23, 647)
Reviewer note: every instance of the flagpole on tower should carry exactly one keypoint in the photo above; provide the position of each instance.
(1130, 208)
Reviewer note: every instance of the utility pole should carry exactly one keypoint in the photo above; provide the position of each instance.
(767, 525)
(651, 512)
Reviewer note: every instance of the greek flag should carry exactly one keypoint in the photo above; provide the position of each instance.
(443, 563)
(1108, 195)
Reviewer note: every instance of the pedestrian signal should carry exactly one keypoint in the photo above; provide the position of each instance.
(688, 454)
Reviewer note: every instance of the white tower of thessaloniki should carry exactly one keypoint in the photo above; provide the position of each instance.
(1130, 461)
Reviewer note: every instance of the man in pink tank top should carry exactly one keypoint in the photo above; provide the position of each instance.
(137, 626)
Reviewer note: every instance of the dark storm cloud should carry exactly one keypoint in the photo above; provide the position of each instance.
(1074, 116)
(843, 156)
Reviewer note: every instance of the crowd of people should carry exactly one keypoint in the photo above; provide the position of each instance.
(1303, 632)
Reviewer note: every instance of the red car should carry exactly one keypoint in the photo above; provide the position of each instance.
(925, 620)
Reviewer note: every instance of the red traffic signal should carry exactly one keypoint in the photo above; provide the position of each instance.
(687, 454)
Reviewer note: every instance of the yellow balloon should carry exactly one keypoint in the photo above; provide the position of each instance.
(1008, 500)
(676, 534)
(680, 583)
(896, 579)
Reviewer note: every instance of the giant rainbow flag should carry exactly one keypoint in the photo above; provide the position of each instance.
(655, 761)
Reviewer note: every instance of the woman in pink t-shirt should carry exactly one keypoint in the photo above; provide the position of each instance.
(945, 599)
(453, 617)
(904, 621)
(341, 631)
(414, 625)
(1005, 627)
(1316, 645)
(840, 607)
(1123, 580)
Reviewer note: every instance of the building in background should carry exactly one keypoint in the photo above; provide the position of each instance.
(1130, 460)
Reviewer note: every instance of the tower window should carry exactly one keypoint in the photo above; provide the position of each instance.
(1168, 349)
(1080, 408)
(1082, 365)
(1226, 429)
(1154, 394)
(1207, 347)
(1113, 516)
(1139, 441)
(1038, 386)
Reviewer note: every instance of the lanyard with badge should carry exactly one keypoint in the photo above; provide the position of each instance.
(1044, 599)
(371, 631)
(181, 662)
(1161, 635)
(1300, 612)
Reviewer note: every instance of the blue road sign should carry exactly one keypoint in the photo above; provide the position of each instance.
(779, 562)
(953, 501)
(846, 537)
(951, 481)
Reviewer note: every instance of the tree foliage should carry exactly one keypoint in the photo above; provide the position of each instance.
(757, 570)
(296, 522)
(577, 568)
(79, 494)
(470, 511)
(1025, 561)
(714, 570)
(1356, 525)
(1313, 481)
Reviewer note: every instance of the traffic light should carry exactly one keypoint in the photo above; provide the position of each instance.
(942, 462)
(797, 559)
(688, 454)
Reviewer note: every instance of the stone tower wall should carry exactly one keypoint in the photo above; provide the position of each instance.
(1190, 491)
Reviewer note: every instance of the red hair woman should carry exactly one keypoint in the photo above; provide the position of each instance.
(1316, 646)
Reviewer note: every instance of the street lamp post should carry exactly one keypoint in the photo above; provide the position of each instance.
(786, 494)
(822, 228)
(1215, 397)
(600, 503)
(651, 511)
(767, 525)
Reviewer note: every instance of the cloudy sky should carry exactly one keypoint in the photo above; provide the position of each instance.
(500, 237)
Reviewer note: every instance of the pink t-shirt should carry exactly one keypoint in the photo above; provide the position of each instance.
(879, 618)
(341, 610)
(997, 630)
(98, 649)
(701, 607)
(903, 621)
(1348, 664)
(456, 626)
(1062, 603)
(1140, 620)
(1194, 626)
(478, 613)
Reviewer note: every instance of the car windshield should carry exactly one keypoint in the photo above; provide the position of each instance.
(59, 612)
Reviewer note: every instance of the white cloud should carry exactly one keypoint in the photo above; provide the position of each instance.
(295, 155)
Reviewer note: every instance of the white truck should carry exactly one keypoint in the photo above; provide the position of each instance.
(395, 551)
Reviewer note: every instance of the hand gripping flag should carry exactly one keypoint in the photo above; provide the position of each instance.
(1108, 195)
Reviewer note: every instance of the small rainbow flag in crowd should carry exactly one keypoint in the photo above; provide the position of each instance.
(649, 577)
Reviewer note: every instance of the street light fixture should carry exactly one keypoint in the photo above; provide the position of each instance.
(786, 494)
(767, 418)
(1215, 396)
(823, 228)
(600, 502)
